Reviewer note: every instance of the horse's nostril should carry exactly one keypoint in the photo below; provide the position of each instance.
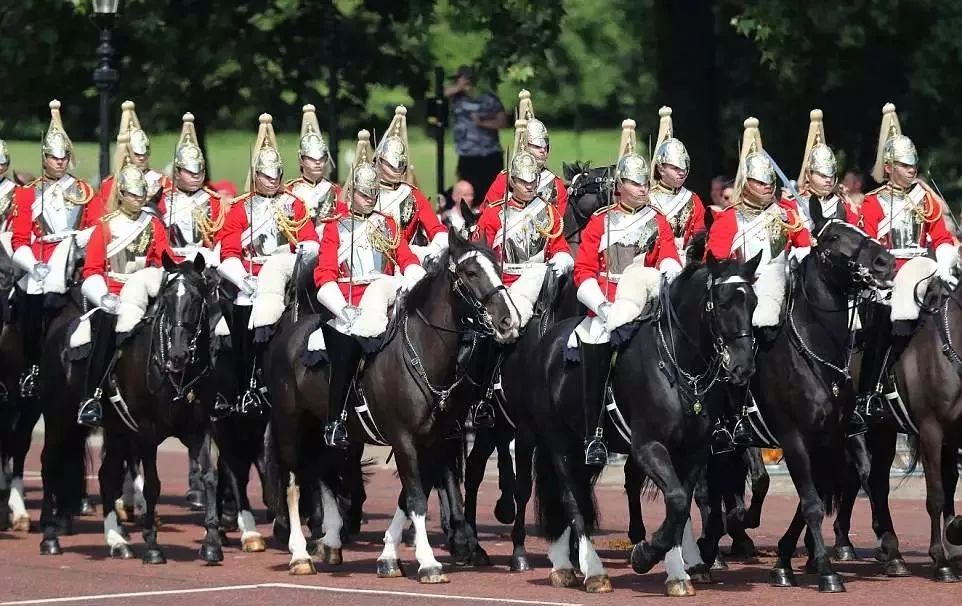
(505, 322)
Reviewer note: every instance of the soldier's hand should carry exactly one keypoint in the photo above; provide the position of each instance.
(110, 302)
(41, 271)
(249, 285)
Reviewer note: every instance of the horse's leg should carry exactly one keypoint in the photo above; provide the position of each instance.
(813, 510)
(315, 517)
(154, 554)
(474, 467)
(356, 491)
(196, 486)
(759, 481)
(110, 478)
(409, 470)
(389, 563)
(505, 509)
(211, 549)
(950, 480)
(20, 437)
(713, 521)
(301, 562)
(633, 482)
(251, 539)
(930, 446)
(462, 531)
(852, 478)
(782, 574)
(49, 468)
(881, 443)
(332, 526)
(524, 480)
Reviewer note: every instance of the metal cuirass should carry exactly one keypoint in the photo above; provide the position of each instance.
(627, 236)
(357, 255)
(763, 232)
(182, 214)
(903, 216)
(265, 234)
(397, 203)
(130, 258)
(7, 187)
(62, 208)
(318, 198)
(526, 228)
(678, 207)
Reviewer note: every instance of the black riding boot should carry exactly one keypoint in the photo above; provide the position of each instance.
(877, 357)
(250, 395)
(343, 368)
(32, 326)
(483, 415)
(595, 368)
(99, 361)
(744, 434)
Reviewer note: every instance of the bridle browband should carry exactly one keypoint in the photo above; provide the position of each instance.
(162, 334)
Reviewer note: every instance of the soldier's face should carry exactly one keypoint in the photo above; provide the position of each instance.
(759, 190)
(388, 173)
(672, 175)
(820, 184)
(189, 181)
(141, 160)
(633, 194)
(523, 191)
(362, 204)
(901, 175)
(131, 204)
(266, 185)
(56, 167)
(540, 154)
(313, 169)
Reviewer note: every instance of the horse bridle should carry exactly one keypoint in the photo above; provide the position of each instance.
(483, 324)
(861, 275)
(164, 332)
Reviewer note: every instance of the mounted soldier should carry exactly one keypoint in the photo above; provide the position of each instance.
(399, 198)
(7, 187)
(670, 166)
(53, 218)
(128, 239)
(907, 216)
(319, 193)
(264, 222)
(550, 188)
(194, 214)
(363, 261)
(759, 221)
(818, 177)
(625, 248)
(139, 154)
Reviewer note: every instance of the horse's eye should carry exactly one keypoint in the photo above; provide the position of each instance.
(470, 273)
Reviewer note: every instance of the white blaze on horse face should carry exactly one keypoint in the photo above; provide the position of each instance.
(18, 508)
(296, 543)
(392, 536)
(558, 552)
(332, 519)
(245, 521)
(689, 547)
(488, 267)
(181, 289)
(588, 559)
(422, 547)
(675, 565)
(112, 533)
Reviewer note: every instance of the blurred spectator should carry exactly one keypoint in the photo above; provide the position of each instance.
(727, 195)
(224, 188)
(853, 183)
(462, 191)
(477, 118)
(717, 185)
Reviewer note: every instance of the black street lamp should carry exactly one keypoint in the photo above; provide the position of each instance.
(105, 77)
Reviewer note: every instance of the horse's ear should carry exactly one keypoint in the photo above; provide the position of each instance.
(815, 212)
(752, 266)
(456, 244)
(170, 265)
(470, 220)
(568, 171)
(199, 264)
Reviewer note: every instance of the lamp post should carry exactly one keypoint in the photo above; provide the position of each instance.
(105, 77)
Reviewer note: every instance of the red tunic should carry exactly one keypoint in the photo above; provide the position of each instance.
(489, 228)
(96, 261)
(724, 229)
(329, 269)
(933, 233)
(423, 217)
(237, 222)
(590, 261)
(27, 230)
(496, 192)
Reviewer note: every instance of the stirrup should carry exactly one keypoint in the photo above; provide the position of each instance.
(744, 435)
(91, 412)
(252, 401)
(596, 451)
(722, 441)
(483, 415)
(856, 425)
(29, 382)
(335, 435)
(221, 409)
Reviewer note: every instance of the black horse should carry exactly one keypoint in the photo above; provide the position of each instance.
(811, 353)
(699, 334)
(161, 388)
(405, 387)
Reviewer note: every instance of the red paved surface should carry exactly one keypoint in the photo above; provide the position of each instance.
(84, 570)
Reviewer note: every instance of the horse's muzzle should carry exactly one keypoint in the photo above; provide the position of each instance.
(740, 374)
(176, 364)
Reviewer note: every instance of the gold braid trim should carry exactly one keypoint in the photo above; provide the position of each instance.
(553, 227)
(289, 226)
(385, 244)
(794, 223)
(207, 227)
(87, 194)
(931, 210)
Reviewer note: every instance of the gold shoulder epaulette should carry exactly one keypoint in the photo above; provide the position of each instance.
(496, 203)
(292, 182)
(108, 216)
(876, 190)
(34, 182)
(240, 198)
(603, 209)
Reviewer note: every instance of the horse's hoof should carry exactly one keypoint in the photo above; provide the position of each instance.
(642, 558)
(945, 574)
(211, 554)
(743, 548)
(122, 551)
(830, 583)
(845, 553)
(782, 577)
(50, 547)
(520, 563)
(86, 508)
(154, 556)
(896, 568)
(331, 556)
(195, 500)
(432, 575)
(302, 566)
(389, 569)
(719, 563)
(679, 588)
(598, 584)
(564, 577)
(504, 511)
(253, 544)
(479, 557)
(700, 574)
(21, 523)
(810, 566)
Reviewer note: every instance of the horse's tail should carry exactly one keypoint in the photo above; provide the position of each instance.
(912, 462)
(552, 516)
(277, 482)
